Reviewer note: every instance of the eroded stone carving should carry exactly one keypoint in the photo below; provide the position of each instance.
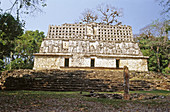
(75, 46)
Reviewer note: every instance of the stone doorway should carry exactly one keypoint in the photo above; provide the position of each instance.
(117, 63)
(66, 64)
(92, 62)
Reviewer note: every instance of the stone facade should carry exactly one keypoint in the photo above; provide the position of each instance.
(90, 45)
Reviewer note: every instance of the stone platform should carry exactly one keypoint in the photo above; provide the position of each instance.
(81, 80)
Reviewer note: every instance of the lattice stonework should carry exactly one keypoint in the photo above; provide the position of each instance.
(80, 43)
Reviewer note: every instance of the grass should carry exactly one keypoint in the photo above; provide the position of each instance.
(41, 94)
(72, 93)
(52, 93)
(38, 92)
(154, 92)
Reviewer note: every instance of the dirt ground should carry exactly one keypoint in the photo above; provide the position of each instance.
(55, 102)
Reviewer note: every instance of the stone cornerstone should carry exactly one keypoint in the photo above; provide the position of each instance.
(91, 45)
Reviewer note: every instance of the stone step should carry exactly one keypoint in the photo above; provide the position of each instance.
(75, 80)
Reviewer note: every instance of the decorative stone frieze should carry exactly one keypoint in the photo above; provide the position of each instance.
(90, 45)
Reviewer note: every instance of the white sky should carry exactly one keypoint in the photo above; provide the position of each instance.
(137, 13)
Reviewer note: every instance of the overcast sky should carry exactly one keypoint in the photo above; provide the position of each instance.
(136, 13)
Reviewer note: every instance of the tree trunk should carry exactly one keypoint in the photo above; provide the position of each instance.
(5, 62)
(157, 56)
(10, 60)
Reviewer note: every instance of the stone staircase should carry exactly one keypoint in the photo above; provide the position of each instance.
(79, 80)
(56, 80)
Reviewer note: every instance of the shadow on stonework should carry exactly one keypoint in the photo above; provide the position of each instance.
(57, 80)
(79, 80)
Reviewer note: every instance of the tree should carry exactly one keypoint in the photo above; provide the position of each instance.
(88, 16)
(1, 65)
(157, 29)
(157, 51)
(26, 45)
(10, 29)
(25, 6)
(153, 42)
(104, 13)
(108, 13)
(165, 4)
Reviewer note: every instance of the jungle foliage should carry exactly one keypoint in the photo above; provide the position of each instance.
(17, 47)
(154, 42)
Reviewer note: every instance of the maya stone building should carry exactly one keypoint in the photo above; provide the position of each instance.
(93, 45)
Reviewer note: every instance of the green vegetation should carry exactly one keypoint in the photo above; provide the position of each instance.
(74, 93)
(154, 92)
(26, 45)
(40, 93)
(154, 42)
(17, 47)
(10, 29)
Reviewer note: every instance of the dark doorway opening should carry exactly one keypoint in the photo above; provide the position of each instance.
(92, 62)
(66, 62)
(117, 63)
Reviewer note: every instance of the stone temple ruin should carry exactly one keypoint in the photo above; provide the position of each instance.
(93, 45)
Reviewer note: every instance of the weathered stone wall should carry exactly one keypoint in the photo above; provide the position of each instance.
(134, 64)
(46, 62)
(105, 62)
(79, 60)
